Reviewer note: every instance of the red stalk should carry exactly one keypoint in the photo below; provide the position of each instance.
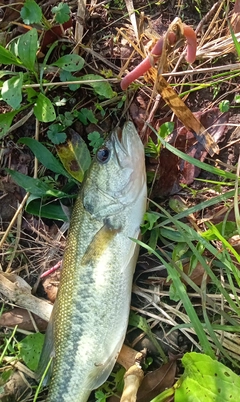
(156, 52)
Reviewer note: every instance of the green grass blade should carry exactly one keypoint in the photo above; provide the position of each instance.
(196, 324)
(198, 207)
(194, 161)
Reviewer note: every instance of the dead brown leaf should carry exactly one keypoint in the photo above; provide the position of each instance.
(196, 275)
(154, 382)
(113, 398)
(11, 13)
(235, 18)
(9, 197)
(157, 381)
(185, 115)
(50, 285)
(174, 171)
(53, 34)
(19, 316)
(129, 356)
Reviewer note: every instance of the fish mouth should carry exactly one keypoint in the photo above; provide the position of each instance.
(127, 145)
(120, 141)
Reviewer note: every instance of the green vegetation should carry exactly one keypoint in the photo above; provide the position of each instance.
(19, 94)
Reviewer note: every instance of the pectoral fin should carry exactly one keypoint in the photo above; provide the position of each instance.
(100, 243)
(103, 370)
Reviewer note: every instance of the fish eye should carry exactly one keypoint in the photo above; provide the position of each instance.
(103, 155)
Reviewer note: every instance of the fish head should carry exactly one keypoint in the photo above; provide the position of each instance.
(117, 175)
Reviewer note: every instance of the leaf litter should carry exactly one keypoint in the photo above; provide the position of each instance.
(172, 174)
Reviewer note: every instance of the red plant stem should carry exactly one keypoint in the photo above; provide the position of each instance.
(190, 36)
(146, 64)
(51, 270)
(137, 72)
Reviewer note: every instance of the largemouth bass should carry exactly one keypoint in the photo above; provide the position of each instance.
(90, 315)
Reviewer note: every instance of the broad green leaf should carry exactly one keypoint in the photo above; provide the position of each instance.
(177, 205)
(31, 95)
(35, 186)
(50, 210)
(150, 218)
(173, 291)
(237, 98)
(56, 134)
(166, 129)
(102, 87)
(43, 109)
(95, 140)
(62, 13)
(85, 115)
(206, 380)
(5, 122)
(227, 229)
(224, 106)
(179, 250)
(44, 155)
(7, 57)
(5, 375)
(100, 396)
(31, 13)
(30, 349)
(153, 238)
(75, 156)
(172, 234)
(66, 119)
(12, 91)
(27, 48)
(67, 76)
(70, 62)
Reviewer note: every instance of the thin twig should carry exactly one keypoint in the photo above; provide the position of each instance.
(21, 206)
(17, 239)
